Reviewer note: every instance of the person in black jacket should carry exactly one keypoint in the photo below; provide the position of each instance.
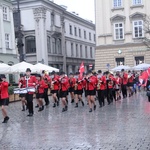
(148, 88)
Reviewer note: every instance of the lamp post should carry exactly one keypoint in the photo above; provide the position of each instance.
(19, 34)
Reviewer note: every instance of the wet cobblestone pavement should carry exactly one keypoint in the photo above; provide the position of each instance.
(123, 125)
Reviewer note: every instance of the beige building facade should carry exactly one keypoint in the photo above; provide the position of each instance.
(119, 33)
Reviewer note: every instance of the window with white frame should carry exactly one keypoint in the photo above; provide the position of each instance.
(81, 54)
(119, 31)
(86, 52)
(7, 40)
(72, 50)
(91, 52)
(5, 13)
(137, 2)
(138, 29)
(117, 3)
(77, 53)
(79, 32)
(75, 31)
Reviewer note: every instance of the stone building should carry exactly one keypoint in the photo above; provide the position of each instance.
(56, 37)
(8, 53)
(119, 33)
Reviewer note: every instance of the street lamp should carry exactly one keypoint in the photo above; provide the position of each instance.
(19, 34)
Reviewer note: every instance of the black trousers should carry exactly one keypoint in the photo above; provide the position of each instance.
(109, 95)
(149, 98)
(101, 97)
(114, 94)
(124, 90)
(29, 98)
(46, 96)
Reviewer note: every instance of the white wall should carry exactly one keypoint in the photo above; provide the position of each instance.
(27, 19)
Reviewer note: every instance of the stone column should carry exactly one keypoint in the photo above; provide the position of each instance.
(63, 43)
(41, 34)
(13, 46)
(2, 30)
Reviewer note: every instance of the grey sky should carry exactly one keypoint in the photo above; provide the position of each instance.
(85, 8)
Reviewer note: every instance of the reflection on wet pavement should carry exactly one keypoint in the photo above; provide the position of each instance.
(120, 126)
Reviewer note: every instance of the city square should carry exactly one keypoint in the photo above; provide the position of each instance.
(122, 125)
(75, 74)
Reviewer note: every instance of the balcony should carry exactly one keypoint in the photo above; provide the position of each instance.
(56, 31)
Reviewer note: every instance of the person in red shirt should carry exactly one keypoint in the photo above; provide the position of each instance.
(40, 87)
(110, 84)
(47, 81)
(54, 86)
(71, 86)
(118, 86)
(4, 97)
(101, 87)
(124, 81)
(64, 82)
(22, 84)
(30, 83)
(130, 83)
(78, 89)
(91, 85)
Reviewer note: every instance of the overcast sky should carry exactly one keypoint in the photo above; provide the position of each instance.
(85, 8)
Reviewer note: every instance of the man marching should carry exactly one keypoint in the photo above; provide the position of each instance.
(4, 97)
(101, 87)
(30, 83)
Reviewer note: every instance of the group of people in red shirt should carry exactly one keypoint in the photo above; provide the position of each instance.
(100, 85)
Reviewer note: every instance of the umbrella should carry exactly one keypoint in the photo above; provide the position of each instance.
(143, 66)
(21, 67)
(39, 67)
(4, 68)
(119, 68)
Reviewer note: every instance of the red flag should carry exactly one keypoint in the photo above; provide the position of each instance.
(81, 70)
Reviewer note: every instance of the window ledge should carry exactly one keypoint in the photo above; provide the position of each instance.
(119, 41)
(117, 8)
(9, 49)
(136, 6)
(137, 40)
(6, 20)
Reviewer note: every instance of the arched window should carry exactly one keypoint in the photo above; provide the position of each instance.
(49, 44)
(54, 45)
(30, 44)
(59, 46)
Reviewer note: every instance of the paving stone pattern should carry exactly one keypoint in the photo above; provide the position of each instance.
(123, 125)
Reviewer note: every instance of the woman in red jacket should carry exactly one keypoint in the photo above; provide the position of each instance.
(78, 89)
(55, 88)
(4, 97)
(91, 86)
(40, 86)
(64, 82)
(22, 84)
